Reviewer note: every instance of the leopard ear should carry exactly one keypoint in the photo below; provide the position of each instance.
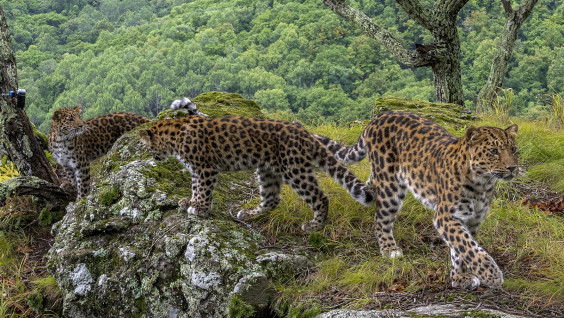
(78, 108)
(145, 136)
(512, 130)
(473, 135)
(57, 115)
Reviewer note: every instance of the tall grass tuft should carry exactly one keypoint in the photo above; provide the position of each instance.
(557, 109)
(501, 104)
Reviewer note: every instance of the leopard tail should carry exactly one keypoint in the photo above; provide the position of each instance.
(346, 154)
(357, 189)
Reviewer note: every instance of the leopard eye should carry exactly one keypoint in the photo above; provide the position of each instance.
(493, 151)
(514, 149)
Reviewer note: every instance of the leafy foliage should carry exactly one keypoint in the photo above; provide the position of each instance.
(297, 56)
(7, 169)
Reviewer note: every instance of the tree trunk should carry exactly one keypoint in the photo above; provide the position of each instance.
(16, 134)
(515, 19)
(443, 56)
(446, 72)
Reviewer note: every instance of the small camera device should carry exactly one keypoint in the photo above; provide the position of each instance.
(20, 97)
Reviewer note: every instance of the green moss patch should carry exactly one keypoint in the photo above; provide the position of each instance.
(238, 308)
(172, 177)
(217, 104)
(109, 196)
(441, 113)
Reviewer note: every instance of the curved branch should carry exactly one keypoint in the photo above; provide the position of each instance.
(501, 58)
(405, 56)
(30, 185)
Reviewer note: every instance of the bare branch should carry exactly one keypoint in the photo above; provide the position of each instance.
(405, 56)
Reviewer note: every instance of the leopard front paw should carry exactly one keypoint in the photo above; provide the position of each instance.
(465, 281)
(247, 213)
(493, 278)
(392, 252)
(193, 207)
(487, 271)
(312, 226)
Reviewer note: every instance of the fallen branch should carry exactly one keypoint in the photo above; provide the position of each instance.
(30, 185)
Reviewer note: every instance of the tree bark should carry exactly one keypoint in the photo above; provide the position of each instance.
(515, 19)
(16, 134)
(443, 56)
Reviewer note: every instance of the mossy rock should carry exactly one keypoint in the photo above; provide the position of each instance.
(127, 250)
(218, 104)
(441, 113)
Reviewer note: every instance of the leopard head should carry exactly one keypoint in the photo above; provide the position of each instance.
(67, 122)
(493, 152)
(153, 143)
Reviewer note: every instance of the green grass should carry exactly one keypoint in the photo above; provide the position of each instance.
(349, 271)
(550, 173)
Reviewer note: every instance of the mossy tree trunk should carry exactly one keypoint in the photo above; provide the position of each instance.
(515, 19)
(16, 134)
(443, 55)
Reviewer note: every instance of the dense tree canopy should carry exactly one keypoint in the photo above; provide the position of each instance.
(299, 56)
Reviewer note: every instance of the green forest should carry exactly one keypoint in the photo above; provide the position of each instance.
(290, 56)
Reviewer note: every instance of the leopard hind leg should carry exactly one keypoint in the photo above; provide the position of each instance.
(303, 181)
(390, 194)
(270, 183)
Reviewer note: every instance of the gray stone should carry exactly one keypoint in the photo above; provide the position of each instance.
(447, 310)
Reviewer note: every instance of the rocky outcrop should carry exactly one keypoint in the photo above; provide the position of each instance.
(128, 251)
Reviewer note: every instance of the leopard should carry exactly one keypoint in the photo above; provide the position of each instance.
(75, 143)
(276, 150)
(455, 177)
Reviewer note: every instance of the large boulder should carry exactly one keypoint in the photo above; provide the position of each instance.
(128, 251)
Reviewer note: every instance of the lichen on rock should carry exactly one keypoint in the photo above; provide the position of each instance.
(127, 250)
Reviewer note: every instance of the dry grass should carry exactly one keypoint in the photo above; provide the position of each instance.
(25, 286)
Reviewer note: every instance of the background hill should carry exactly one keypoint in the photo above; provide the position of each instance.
(293, 56)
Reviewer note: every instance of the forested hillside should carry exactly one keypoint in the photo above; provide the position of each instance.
(298, 56)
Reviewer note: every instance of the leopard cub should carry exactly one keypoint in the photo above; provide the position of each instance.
(278, 151)
(74, 142)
